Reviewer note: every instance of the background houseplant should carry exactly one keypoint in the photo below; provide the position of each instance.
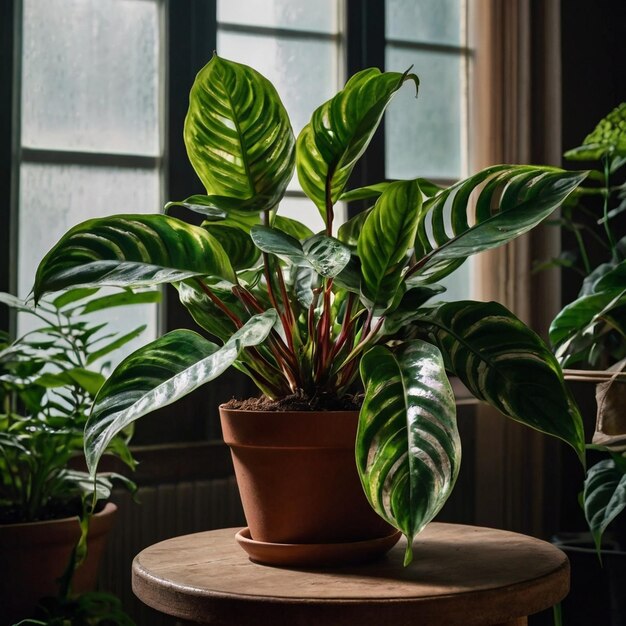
(303, 314)
(589, 334)
(48, 379)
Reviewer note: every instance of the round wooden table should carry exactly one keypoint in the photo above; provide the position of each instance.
(460, 576)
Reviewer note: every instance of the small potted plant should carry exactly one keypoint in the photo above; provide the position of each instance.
(50, 510)
(312, 318)
(589, 339)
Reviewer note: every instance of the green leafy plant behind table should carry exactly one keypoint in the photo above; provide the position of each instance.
(590, 332)
(311, 315)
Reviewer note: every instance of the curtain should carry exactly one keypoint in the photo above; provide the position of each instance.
(516, 118)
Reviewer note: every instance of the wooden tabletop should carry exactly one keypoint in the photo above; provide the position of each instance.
(460, 576)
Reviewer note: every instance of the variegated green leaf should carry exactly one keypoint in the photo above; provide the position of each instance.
(339, 132)
(386, 239)
(131, 251)
(604, 495)
(511, 200)
(292, 227)
(237, 244)
(327, 255)
(501, 361)
(159, 374)
(225, 215)
(408, 450)
(238, 137)
(369, 192)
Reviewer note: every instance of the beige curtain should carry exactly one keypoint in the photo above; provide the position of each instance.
(515, 118)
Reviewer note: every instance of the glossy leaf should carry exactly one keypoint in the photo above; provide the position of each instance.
(159, 374)
(72, 295)
(131, 251)
(369, 192)
(292, 227)
(504, 363)
(203, 205)
(327, 255)
(408, 449)
(277, 242)
(511, 199)
(574, 330)
(238, 137)
(386, 238)
(125, 298)
(339, 132)
(604, 496)
(350, 231)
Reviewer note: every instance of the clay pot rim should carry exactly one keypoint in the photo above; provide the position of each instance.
(335, 413)
(109, 509)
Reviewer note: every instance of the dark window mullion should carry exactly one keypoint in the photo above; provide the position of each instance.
(365, 25)
(277, 33)
(8, 129)
(430, 47)
(71, 157)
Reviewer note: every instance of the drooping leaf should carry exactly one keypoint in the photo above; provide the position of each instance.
(340, 130)
(504, 363)
(71, 296)
(131, 251)
(125, 298)
(511, 200)
(238, 137)
(159, 374)
(386, 238)
(604, 496)
(408, 307)
(427, 188)
(408, 449)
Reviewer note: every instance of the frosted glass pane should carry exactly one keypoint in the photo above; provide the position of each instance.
(55, 198)
(424, 136)
(303, 210)
(426, 21)
(304, 72)
(90, 77)
(319, 16)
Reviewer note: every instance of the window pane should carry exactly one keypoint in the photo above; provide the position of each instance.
(426, 21)
(90, 75)
(304, 72)
(319, 16)
(424, 135)
(303, 210)
(55, 198)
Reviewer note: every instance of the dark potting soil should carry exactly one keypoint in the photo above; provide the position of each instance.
(299, 402)
(55, 509)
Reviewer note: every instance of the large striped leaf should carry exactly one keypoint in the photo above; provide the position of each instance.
(237, 244)
(238, 137)
(408, 449)
(386, 238)
(131, 251)
(604, 496)
(340, 130)
(504, 363)
(511, 199)
(159, 374)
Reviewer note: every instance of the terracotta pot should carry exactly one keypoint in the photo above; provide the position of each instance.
(33, 557)
(297, 476)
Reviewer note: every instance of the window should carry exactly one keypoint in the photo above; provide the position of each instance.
(101, 91)
(90, 140)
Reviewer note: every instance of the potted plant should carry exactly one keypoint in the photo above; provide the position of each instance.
(50, 510)
(588, 336)
(312, 317)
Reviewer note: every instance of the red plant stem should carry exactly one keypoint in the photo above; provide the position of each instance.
(284, 358)
(362, 344)
(231, 316)
(346, 327)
